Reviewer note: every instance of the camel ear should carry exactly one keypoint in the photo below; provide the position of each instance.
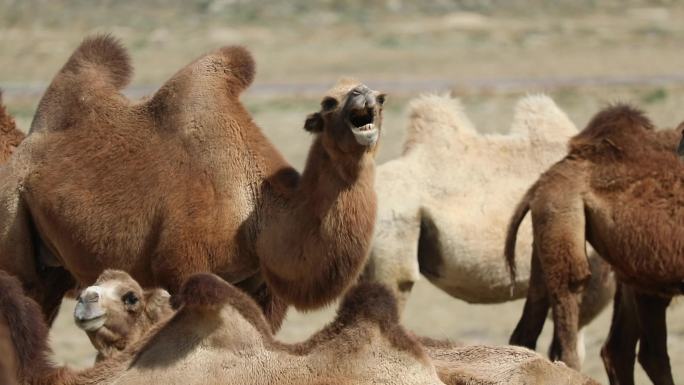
(329, 103)
(314, 122)
(157, 304)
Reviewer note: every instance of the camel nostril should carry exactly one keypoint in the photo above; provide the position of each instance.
(89, 297)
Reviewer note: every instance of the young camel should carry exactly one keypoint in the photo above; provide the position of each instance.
(620, 188)
(219, 336)
(10, 135)
(116, 311)
(444, 203)
(185, 182)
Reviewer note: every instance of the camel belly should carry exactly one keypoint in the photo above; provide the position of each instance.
(465, 256)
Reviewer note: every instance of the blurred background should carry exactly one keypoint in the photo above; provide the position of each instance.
(584, 53)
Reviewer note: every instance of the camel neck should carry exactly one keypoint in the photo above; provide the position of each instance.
(319, 238)
(324, 171)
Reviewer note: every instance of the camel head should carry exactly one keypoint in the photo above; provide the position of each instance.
(350, 118)
(116, 311)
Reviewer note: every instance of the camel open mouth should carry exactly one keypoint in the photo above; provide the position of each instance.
(362, 124)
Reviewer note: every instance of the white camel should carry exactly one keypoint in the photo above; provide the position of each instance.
(445, 202)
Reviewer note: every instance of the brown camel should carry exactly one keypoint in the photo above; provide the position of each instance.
(10, 136)
(185, 182)
(219, 336)
(116, 311)
(621, 188)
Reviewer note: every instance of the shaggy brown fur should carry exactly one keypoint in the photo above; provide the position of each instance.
(621, 188)
(22, 317)
(185, 182)
(10, 136)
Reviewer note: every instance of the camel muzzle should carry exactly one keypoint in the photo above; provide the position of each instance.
(88, 314)
(362, 124)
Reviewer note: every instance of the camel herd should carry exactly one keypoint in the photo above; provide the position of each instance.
(185, 234)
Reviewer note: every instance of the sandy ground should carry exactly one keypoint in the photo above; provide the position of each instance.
(471, 52)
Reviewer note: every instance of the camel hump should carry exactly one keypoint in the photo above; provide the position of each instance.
(91, 78)
(233, 65)
(369, 301)
(439, 117)
(239, 66)
(538, 116)
(375, 303)
(106, 56)
(205, 290)
(203, 85)
(620, 128)
(209, 292)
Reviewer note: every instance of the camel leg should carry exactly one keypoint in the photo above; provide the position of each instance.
(559, 240)
(565, 319)
(619, 351)
(536, 308)
(653, 355)
(555, 348)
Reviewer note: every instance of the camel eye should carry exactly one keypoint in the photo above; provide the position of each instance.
(129, 299)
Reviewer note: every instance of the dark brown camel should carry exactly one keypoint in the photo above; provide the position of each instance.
(621, 188)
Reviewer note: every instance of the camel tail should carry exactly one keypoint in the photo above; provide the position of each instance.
(106, 55)
(512, 233)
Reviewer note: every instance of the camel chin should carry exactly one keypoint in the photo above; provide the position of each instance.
(366, 135)
(91, 324)
(89, 316)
